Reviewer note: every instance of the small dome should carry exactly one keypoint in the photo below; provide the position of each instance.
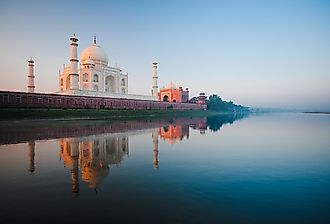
(171, 85)
(95, 53)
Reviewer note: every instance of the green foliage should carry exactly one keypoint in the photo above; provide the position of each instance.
(216, 103)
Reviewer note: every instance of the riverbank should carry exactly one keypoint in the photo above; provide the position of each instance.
(18, 114)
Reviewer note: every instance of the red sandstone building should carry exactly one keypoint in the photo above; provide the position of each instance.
(173, 94)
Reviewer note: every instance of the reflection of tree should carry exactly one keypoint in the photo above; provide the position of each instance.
(215, 122)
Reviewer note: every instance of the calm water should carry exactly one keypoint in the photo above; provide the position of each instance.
(272, 168)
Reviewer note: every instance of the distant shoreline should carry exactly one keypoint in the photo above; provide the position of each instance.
(316, 112)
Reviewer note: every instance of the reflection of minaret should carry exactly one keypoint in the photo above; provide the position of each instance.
(74, 170)
(155, 144)
(31, 146)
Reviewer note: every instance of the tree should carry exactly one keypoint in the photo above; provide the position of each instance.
(216, 103)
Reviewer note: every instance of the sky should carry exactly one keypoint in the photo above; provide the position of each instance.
(255, 53)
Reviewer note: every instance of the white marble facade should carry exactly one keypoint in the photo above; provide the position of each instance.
(95, 76)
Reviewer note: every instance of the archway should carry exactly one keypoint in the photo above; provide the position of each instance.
(85, 77)
(96, 78)
(174, 101)
(110, 84)
(165, 98)
(67, 82)
(165, 128)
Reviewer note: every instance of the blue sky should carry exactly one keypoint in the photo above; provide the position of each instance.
(256, 53)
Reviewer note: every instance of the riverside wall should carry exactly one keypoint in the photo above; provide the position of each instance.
(11, 99)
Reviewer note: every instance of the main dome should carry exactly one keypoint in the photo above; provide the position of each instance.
(95, 53)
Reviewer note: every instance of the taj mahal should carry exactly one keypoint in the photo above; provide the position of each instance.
(94, 77)
(90, 82)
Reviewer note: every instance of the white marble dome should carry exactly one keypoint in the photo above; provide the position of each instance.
(95, 53)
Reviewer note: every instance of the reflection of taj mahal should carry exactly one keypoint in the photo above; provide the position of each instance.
(90, 158)
(93, 156)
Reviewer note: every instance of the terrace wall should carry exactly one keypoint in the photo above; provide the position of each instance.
(10, 99)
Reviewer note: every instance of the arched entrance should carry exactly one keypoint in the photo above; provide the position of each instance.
(165, 98)
(165, 128)
(67, 82)
(110, 84)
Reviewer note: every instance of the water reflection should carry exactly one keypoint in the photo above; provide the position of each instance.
(265, 169)
(31, 147)
(216, 122)
(155, 146)
(93, 156)
(89, 149)
(173, 133)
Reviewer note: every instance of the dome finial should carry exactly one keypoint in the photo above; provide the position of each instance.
(94, 40)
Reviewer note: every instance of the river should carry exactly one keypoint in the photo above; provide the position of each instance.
(268, 168)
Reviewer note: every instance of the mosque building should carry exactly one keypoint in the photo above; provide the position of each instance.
(174, 94)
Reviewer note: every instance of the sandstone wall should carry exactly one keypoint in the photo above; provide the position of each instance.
(9, 99)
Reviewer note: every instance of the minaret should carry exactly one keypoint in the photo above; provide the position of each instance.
(31, 146)
(73, 63)
(31, 85)
(154, 91)
(155, 145)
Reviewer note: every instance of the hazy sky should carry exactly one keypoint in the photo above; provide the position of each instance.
(256, 53)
